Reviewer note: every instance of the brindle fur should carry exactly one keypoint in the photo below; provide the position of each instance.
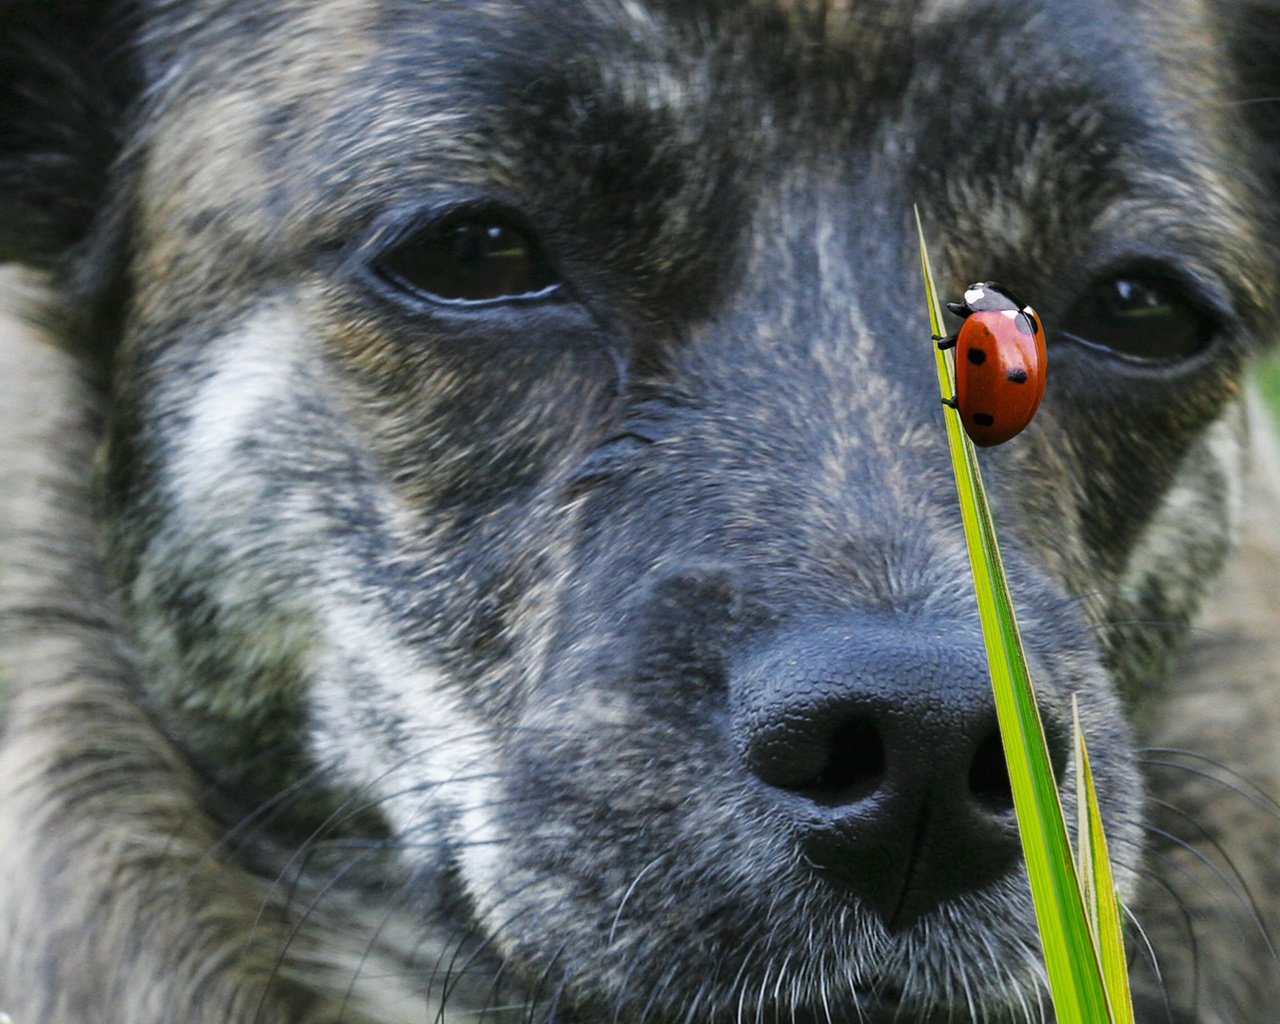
(371, 664)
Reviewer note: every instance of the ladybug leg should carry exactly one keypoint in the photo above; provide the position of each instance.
(951, 403)
(960, 309)
(945, 343)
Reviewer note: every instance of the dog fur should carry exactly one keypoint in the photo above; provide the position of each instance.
(372, 658)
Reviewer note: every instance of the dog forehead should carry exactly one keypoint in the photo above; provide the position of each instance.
(301, 63)
(322, 115)
(288, 43)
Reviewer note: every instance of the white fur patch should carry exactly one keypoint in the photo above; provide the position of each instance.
(382, 717)
(430, 737)
(407, 742)
(246, 373)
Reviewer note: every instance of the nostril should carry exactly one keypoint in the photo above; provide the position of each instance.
(854, 765)
(877, 750)
(989, 776)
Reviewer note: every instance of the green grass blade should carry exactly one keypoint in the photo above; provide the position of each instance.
(1096, 879)
(1085, 874)
(1070, 955)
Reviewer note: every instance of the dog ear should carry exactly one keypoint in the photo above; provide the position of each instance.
(67, 80)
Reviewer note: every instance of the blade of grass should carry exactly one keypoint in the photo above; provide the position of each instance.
(1084, 834)
(1070, 954)
(1098, 882)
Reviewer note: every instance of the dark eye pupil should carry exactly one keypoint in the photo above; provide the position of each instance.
(469, 262)
(475, 243)
(1134, 298)
(1142, 317)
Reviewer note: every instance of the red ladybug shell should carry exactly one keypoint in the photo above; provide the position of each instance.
(1000, 373)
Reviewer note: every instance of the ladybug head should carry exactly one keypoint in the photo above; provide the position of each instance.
(988, 296)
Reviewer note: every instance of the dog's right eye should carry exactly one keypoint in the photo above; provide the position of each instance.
(464, 261)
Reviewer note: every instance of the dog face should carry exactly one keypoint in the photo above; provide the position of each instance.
(524, 453)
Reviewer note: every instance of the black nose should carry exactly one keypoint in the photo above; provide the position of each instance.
(878, 741)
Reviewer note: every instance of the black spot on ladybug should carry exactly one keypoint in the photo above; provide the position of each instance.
(1017, 376)
(1024, 324)
(983, 419)
(977, 356)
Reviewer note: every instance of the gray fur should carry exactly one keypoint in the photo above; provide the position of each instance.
(379, 662)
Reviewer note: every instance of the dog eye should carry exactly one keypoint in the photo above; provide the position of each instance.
(1142, 317)
(469, 262)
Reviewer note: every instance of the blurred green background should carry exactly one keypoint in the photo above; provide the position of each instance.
(1269, 375)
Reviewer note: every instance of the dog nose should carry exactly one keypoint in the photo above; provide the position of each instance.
(878, 742)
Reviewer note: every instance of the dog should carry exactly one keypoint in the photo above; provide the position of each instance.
(478, 541)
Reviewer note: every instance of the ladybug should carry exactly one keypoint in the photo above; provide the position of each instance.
(1000, 363)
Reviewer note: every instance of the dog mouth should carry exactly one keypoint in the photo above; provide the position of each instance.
(874, 1002)
(765, 935)
(886, 1003)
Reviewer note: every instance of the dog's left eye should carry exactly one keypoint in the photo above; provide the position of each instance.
(469, 262)
(1141, 316)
